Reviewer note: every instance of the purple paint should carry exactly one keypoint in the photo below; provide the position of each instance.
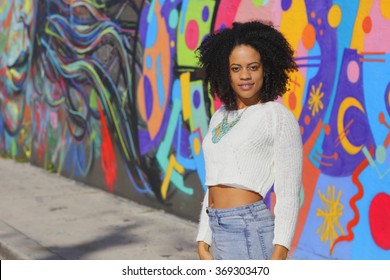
(205, 13)
(196, 99)
(286, 4)
(148, 95)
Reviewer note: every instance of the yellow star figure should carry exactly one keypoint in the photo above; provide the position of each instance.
(331, 212)
(315, 103)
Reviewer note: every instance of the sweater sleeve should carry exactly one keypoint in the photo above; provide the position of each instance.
(288, 175)
(204, 231)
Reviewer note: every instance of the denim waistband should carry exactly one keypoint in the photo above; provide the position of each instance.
(240, 210)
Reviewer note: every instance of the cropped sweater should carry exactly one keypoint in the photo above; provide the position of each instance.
(262, 150)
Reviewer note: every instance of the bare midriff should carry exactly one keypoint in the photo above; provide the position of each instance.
(221, 196)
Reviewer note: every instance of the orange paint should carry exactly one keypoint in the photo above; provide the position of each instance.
(309, 36)
(309, 180)
(367, 24)
(292, 101)
(327, 129)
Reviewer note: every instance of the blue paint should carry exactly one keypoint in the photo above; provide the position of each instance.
(173, 19)
(160, 82)
(149, 62)
(151, 36)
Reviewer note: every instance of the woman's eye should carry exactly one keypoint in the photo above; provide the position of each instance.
(253, 68)
(235, 69)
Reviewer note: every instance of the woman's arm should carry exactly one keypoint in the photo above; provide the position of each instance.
(280, 252)
(204, 251)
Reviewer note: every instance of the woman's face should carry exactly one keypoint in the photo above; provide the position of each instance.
(246, 75)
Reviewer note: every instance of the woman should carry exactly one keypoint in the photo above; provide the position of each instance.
(253, 143)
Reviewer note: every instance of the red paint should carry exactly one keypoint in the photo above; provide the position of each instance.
(107, 153)
(352, 223)
(379, 218)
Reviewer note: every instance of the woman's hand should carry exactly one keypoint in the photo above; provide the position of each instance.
(204, 251)
(280, 252)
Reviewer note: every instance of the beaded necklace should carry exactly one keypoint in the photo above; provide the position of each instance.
(224, 127)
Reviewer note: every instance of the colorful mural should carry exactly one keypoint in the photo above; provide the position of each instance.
(109, 93)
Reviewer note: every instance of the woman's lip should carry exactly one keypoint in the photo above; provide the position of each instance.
(246, 86)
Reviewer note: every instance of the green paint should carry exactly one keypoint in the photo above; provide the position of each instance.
(165, 147)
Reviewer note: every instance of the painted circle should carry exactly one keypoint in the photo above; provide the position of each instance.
(353, 71)
(380, 154)
(309, 37)
(192, 34)
(286, 4)
(196, 146)
(148, 95)
(205, 13)
(379, 218)
(334, 16)
(173, 19)
(196, 99)
(306, 120)
(327, 129)
(292, 100)
(367, 24)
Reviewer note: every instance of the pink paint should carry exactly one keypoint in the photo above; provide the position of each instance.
(378, 37)
(192, 35)
(226, 13)
(353, 71)
(54, 119)
(107, 153)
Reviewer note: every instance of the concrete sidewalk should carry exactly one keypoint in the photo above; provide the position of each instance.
(47, 216)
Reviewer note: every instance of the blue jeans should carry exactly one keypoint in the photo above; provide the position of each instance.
(242, 233)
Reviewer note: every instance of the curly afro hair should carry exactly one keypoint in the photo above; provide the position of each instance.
(275, 52)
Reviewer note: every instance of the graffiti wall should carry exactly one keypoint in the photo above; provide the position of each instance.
(109, 93)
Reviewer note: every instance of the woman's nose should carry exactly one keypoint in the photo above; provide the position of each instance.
(245, 74)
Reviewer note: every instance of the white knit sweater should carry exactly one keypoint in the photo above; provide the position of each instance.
(263, 149)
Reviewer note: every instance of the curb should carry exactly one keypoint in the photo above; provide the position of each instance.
(14, 245)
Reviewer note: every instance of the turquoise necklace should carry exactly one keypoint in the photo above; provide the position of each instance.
(224, 127)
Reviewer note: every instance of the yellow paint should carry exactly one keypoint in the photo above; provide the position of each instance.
(385, 9)
(173, 164)
(315, 102)
(344, 106)
(333, 210)
(296, 85)
(185, 95)
(196, 146)
(357, 41)
(334, 16)
(388, 98)
(292, 24)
